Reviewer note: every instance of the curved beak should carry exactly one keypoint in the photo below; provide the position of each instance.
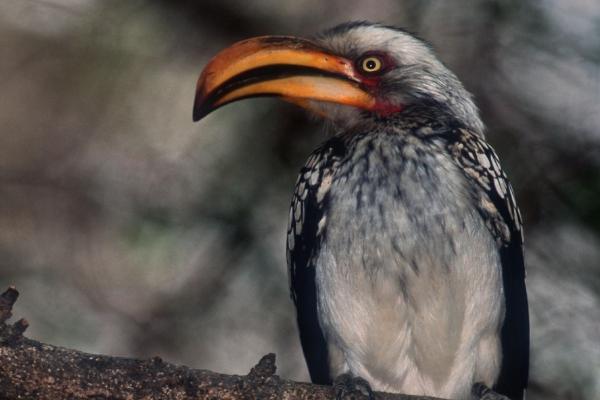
(295, 69)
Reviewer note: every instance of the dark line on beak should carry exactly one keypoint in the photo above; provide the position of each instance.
(255, 75)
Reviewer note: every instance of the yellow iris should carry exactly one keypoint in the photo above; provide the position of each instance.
(371, 64)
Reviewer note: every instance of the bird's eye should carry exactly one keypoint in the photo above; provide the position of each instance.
(371, 64)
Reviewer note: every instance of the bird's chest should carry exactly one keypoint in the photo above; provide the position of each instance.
(394, 203)
(400, 255)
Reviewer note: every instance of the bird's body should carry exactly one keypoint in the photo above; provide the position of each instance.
(404, 243)
(407, 276)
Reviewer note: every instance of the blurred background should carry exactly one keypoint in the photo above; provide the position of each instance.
(131, 231)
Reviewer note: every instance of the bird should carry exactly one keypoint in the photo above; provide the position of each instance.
(405, 244)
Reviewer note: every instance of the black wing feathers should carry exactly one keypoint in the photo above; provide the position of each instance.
(304, 232)
(497, 206)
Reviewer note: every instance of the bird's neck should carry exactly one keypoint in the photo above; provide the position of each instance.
(416, 119)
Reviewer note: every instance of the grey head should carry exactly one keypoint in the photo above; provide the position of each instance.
(411, 73)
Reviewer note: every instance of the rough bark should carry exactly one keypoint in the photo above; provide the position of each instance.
(33, 370)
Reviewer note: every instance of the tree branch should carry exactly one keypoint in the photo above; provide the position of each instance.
(34, 370)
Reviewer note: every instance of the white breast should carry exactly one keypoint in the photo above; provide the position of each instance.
(409, 278)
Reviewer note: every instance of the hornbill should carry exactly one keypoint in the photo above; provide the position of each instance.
(405, 242)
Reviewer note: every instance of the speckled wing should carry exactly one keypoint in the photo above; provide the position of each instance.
(306, 226)
(496, 203)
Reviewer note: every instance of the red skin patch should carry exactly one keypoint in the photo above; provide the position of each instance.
(385, 109)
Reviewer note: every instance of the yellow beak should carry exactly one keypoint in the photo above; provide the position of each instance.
(295, 69)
